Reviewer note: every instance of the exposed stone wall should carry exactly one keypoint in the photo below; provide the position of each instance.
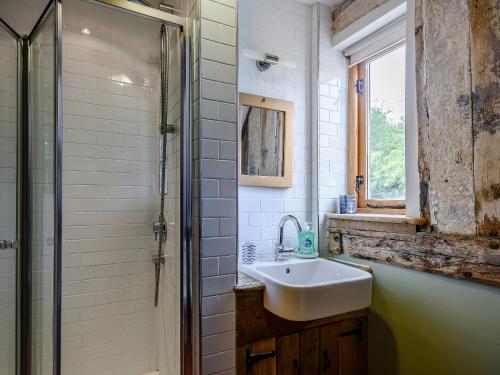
(485, 63)
(458, 105)
(458, 87)
(448, 107)
(460, 113)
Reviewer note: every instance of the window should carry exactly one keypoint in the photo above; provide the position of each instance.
(377, 131)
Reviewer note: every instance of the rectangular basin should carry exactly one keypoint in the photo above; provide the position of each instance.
(308, 289)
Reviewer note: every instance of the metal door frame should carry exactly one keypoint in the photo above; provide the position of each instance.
(24, 196)
(24, 178)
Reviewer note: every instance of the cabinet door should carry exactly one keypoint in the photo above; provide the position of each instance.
(344, 348)
(309, 351)
(348, 347)
(329, 348)
(353, 347)
(288, 355)
(266, 364)
(363, 346)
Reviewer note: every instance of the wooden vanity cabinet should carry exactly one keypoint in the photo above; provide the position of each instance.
(338, 348)
(269, 345)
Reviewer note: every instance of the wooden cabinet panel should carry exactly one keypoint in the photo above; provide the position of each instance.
(334, 349)
(349, 356)
(267, 365)
(329, 347)
(288, 360)
(363, 346)
(309, 351)
(348, 348)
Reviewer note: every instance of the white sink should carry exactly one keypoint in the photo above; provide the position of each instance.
(307, 289)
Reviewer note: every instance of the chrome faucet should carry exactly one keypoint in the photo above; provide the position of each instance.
(280, 248)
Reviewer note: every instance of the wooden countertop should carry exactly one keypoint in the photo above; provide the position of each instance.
(247, 283)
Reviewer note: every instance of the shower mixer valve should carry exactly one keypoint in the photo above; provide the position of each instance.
(159, 227)
(159, 259)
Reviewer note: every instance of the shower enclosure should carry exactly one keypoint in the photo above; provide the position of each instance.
(96, 272)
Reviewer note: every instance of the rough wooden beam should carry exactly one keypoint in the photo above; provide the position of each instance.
(485, 69)
(350, 11)
(462, 257)
(422, 113)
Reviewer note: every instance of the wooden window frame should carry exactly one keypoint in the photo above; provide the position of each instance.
(357, 164)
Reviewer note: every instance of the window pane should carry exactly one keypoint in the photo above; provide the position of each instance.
(386, 126)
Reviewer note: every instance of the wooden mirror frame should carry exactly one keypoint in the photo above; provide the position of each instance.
(278, 105)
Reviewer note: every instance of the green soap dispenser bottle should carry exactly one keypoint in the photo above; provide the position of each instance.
(307, 249)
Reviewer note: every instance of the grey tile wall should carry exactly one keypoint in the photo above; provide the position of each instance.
(218, 184)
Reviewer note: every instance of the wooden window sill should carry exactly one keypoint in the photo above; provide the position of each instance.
(379, 218)
(375, 222)
(361, 224)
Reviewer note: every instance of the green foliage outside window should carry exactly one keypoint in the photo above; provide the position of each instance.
(386, 153)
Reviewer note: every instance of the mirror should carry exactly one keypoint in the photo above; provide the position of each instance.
(266, 141)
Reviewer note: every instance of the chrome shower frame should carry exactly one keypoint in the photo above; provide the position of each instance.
(24, 193)
(23, 313)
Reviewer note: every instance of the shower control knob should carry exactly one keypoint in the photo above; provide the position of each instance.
(159, 259)
(159, 227)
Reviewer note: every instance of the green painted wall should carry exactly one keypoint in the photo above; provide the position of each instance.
(427, 324)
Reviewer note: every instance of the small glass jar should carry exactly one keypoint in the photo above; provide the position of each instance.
(351, 207)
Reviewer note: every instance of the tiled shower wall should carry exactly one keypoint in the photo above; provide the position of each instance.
(111, 195)
(282, 28)
(8, 114)
(217, 168)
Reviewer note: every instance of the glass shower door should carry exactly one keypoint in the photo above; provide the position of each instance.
(8, 199)
(45, 195)
(112, 96)
(30, 191)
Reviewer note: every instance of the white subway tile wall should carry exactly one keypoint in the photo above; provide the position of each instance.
(282, 28)
(332, 131)
(111, 103)
(8, 139)
(218, 185)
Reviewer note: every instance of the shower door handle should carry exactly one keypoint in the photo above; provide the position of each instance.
(7, 245)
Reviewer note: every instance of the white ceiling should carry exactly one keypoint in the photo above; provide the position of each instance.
(329, 3)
